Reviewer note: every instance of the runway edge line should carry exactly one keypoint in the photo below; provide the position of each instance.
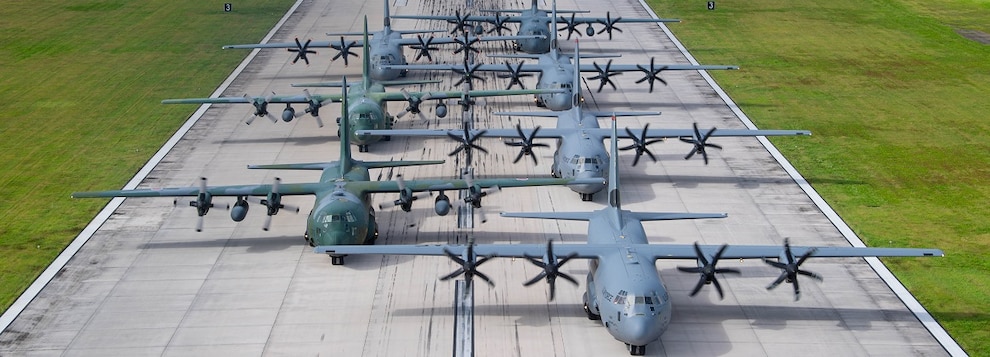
(63, 258)
(919, 311)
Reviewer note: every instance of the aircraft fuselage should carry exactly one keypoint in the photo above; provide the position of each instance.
(339, 215)
(534, 23)
(580, 155)
(557, 73)
(365, 113)
(624, 288)
(385, 50)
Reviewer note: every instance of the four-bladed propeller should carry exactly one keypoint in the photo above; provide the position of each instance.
(526, 145)
(700, 143)
(413, 104)
(273, 203)
(203, 203)
(301, 50)
(260, 108)
(640, 144)
(551, 269)
(313, 107)
(791, 270)
(708, 270)
(604, 75)
(406, 196)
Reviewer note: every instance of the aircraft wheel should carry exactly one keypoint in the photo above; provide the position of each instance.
(636, 350)
(336, 260)
(591, 315)
(587, 196)
(362, 148)
(387, 138)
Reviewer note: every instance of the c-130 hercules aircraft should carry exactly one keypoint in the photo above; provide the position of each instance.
(342, 213)
(624, 290)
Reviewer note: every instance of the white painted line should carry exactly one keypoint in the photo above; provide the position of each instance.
(912, 304)
(63, 258)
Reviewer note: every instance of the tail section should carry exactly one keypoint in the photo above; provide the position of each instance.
(613, 169)
(388, 20)
(366, 63)
(553, 29)
(345, 126)
(576, 86)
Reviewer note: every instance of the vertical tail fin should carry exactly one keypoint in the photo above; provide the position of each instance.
(388, 19)
(366, 65)
(576, 86)
(345, 133)
(553, 29)
(613, 168)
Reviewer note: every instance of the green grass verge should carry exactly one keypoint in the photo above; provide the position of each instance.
(898, 103)
(81, 83)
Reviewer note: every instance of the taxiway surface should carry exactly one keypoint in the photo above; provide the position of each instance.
(148, 284)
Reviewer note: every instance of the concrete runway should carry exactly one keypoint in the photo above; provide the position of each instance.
(148, 284)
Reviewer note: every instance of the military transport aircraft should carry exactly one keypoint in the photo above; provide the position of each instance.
(342, 213)
(580, 148)
(385, 47)
(367, 100)
(555, 71)
(533, 22)
(624, 290)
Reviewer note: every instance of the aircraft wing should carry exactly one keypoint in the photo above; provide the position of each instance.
(470, 18)
(658, 251)
(606, 20)
(526, 67)
(457, 184)
(325, 44)
(494, 133)
(290, 189)
(299, 98)
(686, 251)
(588, 251)
(449, 40)
(646, 67)
(679, 133)
(399, 96)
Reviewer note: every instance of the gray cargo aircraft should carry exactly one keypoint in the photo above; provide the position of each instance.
(555, 71)
(342, 213)
(534, 22)
(385, 47)
(580, 148)
(624, 290)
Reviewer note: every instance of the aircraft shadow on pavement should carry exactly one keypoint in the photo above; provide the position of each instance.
(533, 315)
(254, 245)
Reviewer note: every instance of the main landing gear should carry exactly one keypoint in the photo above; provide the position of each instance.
(636, 350)
(336, 260)
(587, 196)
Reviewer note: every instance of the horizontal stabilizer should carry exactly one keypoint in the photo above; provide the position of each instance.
(567, 216)
(303, 166)
(670, 216)
(383, 164)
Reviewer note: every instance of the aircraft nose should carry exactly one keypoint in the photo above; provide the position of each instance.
(334, 238)
(639, 330)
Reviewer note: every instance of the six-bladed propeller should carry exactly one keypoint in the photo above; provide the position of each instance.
(514, 75)
(609, 24)
(570, 25)
(791, 270)
(652, 74)
(466, 44)
(469, 263)
(467, 74)
(640, 144)
(467, 143)
(423, 48)
(708, 270)
(526, 144)
(700, 143)
(343, 50)
(301, 50)
(499, 24)
(551, 269)
(604, 75)
(460, 23)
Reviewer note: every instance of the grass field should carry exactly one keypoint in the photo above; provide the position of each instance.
(898, 104)
(81, 83)
(896, 98)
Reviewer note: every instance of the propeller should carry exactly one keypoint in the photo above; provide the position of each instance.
(273, 201)
(652, 74)
(700, 142)
(792, 269)
(640, 144)
(423, 48)
(708, 270)
(526, 145)
(551, 269)
(467, 101)
(475, 194)
(466, 45)
(413, 106)
(344, 49)
(302, 50)
(203, 203)
(469, 263)
(604, 75)
(260, 108)
(406, 196)
(460, 22)
(499, 24)
(514, 75)
(314, 107)
(467, 143)
(569, 25)
(609, 24)
(467, 74)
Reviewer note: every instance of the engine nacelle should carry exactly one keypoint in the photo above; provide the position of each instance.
(442, 205)
(479, 30)
(590, 31)
(240, 210)
(441, 110)
(288, 114)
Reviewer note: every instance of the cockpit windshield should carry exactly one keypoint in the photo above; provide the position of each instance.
(347, 217)
(633, 304)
